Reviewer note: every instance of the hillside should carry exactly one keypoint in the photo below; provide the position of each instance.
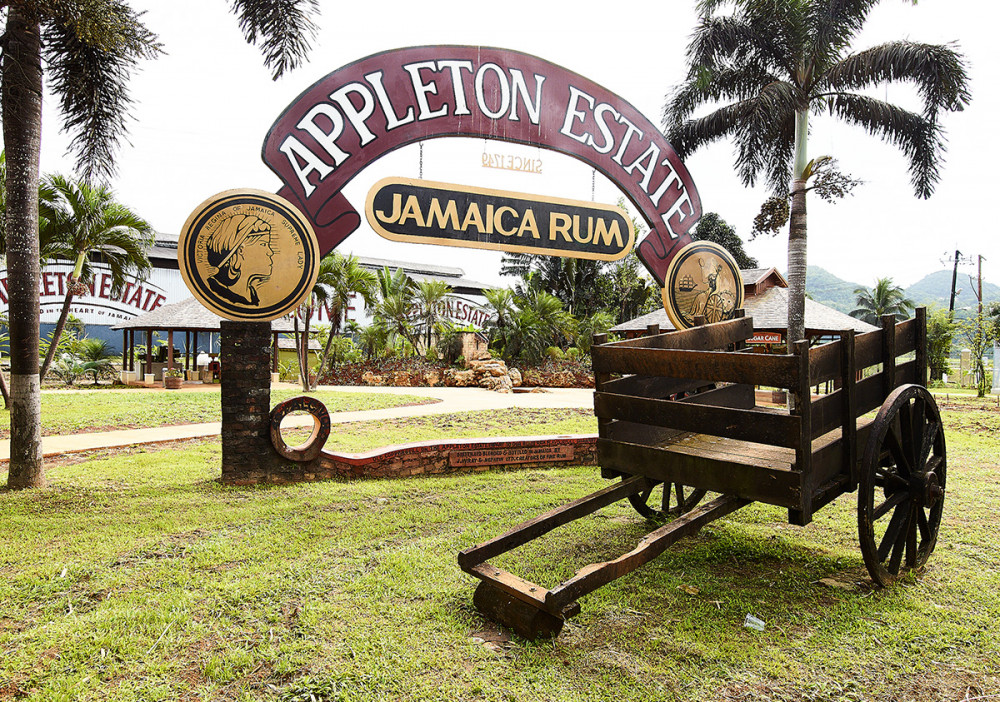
(827, 289)
(935, 289)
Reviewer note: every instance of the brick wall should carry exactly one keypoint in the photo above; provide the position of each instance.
(247, 454)
(436, 458)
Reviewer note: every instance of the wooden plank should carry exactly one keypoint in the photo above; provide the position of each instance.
(868, 349)
(728, 367)
(633, 433)
(511, 584)
(888, 354)
(907, 373)
(746, 425)
(824, 363)
(868, 394)
(827, 413)
(738, 396)
(651, 385)
(773, 485)
(732, 450)
(703, 338)
(544, 523)
(906, 337)
(921, 344)
(849, 408)
(593, 576)
(802, 396)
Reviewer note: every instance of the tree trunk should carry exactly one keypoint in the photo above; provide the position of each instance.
(306, 379)
(797, 235)
(57, 332)
(4, 391)
(797, 263)
(22, 126)
(334, 330)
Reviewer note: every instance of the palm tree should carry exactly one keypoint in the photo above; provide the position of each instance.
(90, 49)
(779, 60)
(79, 221)
(501, 301)
(428, 296)
(885, 298)
(347, 278)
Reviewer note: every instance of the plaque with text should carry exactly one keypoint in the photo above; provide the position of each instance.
(511, 454)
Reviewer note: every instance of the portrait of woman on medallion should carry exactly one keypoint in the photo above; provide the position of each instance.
(240, 251)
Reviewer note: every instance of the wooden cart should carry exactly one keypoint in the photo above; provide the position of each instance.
(678, 418)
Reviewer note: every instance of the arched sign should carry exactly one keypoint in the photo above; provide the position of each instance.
(378, 104)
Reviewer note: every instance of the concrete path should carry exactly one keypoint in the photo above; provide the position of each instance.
(450, 400)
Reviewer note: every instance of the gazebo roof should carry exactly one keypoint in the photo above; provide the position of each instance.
(770, 313)
(190, 315)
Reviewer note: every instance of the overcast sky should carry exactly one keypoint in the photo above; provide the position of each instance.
(203, 109)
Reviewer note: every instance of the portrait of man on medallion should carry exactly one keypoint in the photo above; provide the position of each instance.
(240, 252)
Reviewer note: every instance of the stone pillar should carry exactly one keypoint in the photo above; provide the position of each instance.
(247, 454)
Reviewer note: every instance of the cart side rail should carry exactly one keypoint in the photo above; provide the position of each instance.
(877, 353)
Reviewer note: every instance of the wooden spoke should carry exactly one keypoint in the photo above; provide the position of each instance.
(911, 535)
(895, 446)
(891, 535)
(666, 500)
(925, 529)
(891, 502)
(901, 486)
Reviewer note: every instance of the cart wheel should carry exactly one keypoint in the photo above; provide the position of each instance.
(902, 484)
(666, 500)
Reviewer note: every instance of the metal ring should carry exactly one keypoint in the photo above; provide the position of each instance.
(312, 446)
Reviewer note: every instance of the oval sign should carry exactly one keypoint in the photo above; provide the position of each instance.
(424, 212)
(248, 255)
(702, 280)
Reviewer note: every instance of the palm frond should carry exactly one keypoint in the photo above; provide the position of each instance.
(833, 25)
(714, 85)
(937, 70)
(739, 41)
(92, 49)
(282, 29)
(920, 139)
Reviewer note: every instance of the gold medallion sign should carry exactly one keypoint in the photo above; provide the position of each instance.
(702, 280)
(248, 255)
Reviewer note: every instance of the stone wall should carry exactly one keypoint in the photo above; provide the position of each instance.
(437, 458)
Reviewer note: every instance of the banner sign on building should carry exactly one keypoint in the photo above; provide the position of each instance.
(424, 212)
(380, 103)
(101, 304)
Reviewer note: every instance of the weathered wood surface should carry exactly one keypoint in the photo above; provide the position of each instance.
(748, 470)
(868, 349)
(593, 576)
(526, 620)
(651, 385)
(742, 424)
(544, 523)
(824, 362)
(705, 338)
(725, 367)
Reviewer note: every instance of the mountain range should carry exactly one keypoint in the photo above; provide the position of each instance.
(933, 289)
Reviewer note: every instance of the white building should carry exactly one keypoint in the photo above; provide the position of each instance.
(99, 310)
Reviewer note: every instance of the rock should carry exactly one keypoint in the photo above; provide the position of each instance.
(432, 378)
(370, 378)
(497, 384)
(515, 377)
(464, 379)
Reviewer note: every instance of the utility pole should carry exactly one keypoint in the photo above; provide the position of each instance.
(954, 280)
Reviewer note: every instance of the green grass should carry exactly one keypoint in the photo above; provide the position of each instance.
(103, 410)
(137, 576)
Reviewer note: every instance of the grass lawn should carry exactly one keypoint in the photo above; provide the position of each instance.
(137, 576)
(104, 410)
